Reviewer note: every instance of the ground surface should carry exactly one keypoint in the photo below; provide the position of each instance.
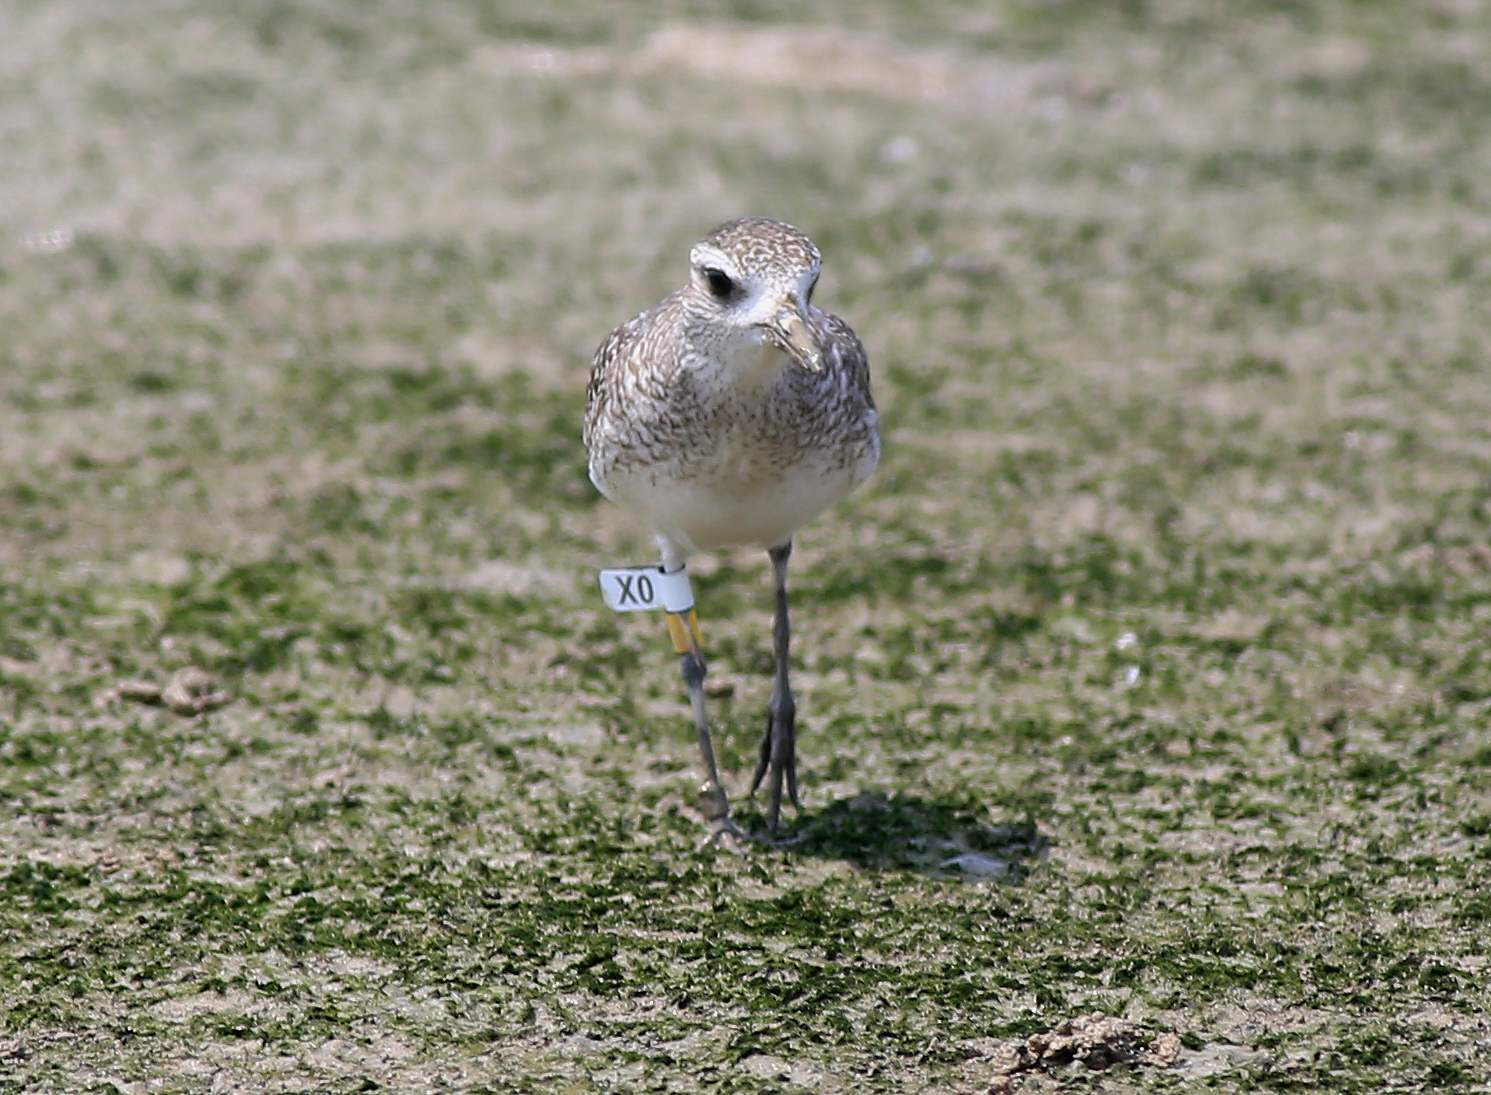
(1150, 677)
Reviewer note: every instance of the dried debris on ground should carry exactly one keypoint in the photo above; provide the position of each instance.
(1097, 1041)
(190, 691)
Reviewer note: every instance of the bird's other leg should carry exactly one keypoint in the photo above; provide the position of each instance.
(715, 804)
(779, 744)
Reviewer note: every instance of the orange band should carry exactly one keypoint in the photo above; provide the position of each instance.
(679, 635)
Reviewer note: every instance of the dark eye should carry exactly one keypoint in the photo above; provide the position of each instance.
(719, 282)
(808, 296)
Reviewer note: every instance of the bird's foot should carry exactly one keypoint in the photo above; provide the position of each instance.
(723, 832)
(778, 762)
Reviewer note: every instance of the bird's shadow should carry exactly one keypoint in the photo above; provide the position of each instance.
(941, 839)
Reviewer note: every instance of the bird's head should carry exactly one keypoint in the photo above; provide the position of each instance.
(751, 284)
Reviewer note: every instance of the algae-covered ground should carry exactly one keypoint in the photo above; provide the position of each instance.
(1149, 677)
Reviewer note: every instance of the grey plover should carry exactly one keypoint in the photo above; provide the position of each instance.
(730, 414)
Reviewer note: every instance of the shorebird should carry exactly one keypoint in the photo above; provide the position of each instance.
(730, 414)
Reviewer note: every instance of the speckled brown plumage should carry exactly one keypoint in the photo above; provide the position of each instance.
(682, 401)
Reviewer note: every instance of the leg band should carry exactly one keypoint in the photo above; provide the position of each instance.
(680, 636)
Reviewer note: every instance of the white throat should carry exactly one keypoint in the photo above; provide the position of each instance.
(752, 361)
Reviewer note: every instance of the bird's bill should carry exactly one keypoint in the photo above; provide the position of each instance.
(790, 331)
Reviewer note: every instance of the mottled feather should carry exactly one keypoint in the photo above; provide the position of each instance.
(680, 431)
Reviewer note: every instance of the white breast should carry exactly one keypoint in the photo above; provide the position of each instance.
(739, 507)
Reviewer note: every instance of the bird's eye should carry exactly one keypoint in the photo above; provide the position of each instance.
(808, 296)
(719, 282)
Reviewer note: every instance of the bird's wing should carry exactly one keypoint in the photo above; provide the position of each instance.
(851, 386)
(610, 360)
(846, 353)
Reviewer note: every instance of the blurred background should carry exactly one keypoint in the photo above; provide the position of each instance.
(1167, 606)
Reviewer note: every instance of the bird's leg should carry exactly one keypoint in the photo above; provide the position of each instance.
(779, 743)
(684, 628)
(716, 806)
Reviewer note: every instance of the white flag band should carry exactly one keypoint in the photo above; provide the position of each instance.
(641, 589)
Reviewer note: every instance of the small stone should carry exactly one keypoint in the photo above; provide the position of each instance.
(1007, 1059)
(977, 865)
(1166, 1050)
(193, 691)
(139, 692)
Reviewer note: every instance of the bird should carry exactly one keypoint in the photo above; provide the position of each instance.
(729, 415)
